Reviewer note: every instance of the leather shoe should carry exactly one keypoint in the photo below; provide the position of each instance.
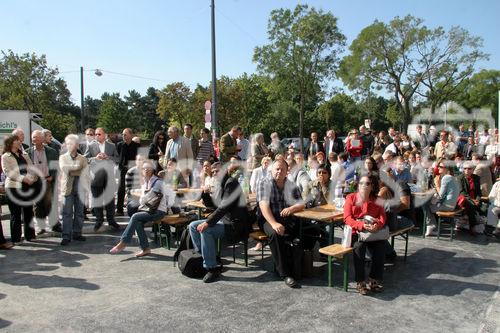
(65, 242)
(57, 227)
(79, 238)
(41, 232)
(290, 282)
(97, 226)
(212, 275)
(115, 226)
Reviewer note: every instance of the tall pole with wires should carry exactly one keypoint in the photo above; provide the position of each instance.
(214, 75)
(81, 100)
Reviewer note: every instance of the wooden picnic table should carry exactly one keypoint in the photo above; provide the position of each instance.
(326, 214)
(187, 190)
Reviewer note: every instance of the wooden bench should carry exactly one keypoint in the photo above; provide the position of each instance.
(259, 236)
(163, 226)
(403, 233)
(447, 217)
(339, 252)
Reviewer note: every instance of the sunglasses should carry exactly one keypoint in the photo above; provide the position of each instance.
(441, 166)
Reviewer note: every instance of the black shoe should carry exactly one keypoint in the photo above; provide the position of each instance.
(57, 227)
(290, 282)
(119, 213)
(41, 232)
(115, 226)
(65, 242)
(97, 226)
(79, 238)
(496, 233)
(212, 275)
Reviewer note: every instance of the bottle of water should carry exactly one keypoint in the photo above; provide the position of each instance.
(338, 191)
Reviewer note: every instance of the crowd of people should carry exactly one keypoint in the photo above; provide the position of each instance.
(371, 175)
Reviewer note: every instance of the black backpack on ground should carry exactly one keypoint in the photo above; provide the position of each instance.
(185, 243)
(191, 264)
(189, 261)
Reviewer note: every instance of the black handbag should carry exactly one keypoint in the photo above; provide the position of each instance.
(151, 200)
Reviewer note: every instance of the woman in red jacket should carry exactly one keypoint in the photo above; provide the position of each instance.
(357, 206)
(354, 146)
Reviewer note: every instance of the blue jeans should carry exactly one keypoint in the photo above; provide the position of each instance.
(136, 224)
(72, 214)
(205, 242)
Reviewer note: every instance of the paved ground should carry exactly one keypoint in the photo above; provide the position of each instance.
(443, 287)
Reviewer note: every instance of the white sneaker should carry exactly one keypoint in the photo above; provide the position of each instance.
(430, 231)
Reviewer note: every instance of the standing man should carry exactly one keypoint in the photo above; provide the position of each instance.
(333, 143)
(127, 151)
(278, 200)
(314, 146)
(49, 142)
(228, 146)
(421, 138)
(245, 146)
(444, 148)
(368, 140)
(462, 137)
(188, 134)
(42, 157)
(179, 148)
(89, 138)
(102, 156)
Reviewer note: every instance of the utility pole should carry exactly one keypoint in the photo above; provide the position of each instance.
(81, 100)
(214, 76)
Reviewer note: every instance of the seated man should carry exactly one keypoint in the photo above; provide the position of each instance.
(278, 199)
(470, 194)
(228, 220)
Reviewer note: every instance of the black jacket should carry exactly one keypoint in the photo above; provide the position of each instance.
(231, 210)
(465, 186)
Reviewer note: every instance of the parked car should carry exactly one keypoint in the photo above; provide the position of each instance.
(295, 143)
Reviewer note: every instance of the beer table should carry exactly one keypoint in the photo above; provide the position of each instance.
(326, 214)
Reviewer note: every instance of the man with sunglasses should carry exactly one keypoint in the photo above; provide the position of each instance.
(470, 194)
(103, 157)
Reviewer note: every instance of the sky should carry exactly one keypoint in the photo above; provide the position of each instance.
(167, 41)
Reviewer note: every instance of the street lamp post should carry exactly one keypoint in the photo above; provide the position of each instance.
(214, 76)
(82, 101)
(82, 106)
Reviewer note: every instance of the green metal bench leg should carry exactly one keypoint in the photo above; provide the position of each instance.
(234, 253)
(346, 271)
(155, 233)
(452, 224)
(392, 242)
(406, 236)
(330, 271)
(439, 227)
(245, 246)
(424, 224)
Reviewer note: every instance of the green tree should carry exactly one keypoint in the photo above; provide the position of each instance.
(174, 104)
(114, 115)
(92, 109)
(481, 91)
(302, 54)
(404, 56)
(28, 83)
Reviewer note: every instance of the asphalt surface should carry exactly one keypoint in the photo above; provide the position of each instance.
(44, 287)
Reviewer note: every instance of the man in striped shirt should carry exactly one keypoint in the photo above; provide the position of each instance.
(206, 149)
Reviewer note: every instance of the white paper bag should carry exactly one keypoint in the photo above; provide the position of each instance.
(347, 237)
